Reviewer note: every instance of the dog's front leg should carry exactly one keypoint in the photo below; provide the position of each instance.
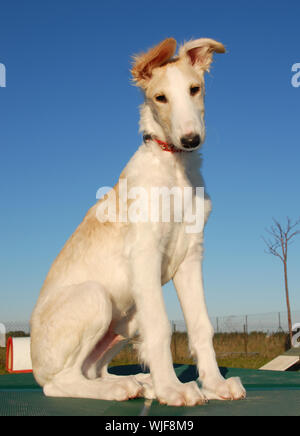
(189, 286)
(155, 332)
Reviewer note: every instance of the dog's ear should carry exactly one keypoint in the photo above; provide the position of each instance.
(200, 52)
(145, 63)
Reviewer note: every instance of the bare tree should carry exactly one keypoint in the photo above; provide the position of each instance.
(280, 237)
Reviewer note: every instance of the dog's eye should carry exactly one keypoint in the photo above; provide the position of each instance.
(194, 90)
(161, 98)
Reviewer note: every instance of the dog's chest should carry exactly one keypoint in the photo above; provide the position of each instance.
(170, 183)
(185, 203)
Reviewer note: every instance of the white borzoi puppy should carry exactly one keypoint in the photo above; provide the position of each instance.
(106, 284)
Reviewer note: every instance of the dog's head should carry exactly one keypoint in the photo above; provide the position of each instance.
(174, 89)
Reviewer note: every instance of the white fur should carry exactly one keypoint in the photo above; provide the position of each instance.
(106, 283)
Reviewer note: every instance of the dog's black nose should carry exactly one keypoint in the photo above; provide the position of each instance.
(190, 141)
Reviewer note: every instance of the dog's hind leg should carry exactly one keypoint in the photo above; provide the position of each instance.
(65, 333)
(126, 329)
(97, 362)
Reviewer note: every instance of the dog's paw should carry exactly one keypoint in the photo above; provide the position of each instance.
(230, 389)
(181, 394)
(145, 380)
(131, 387)
(123, 388)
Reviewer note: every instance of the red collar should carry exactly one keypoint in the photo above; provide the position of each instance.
(163, 145)
(167, 147)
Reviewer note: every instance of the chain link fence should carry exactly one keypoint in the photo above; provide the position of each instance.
(259, 337)
(13, 328)
(248, 341)
(269, 323)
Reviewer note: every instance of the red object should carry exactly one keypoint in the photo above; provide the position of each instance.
(167, 147)
(10, 359)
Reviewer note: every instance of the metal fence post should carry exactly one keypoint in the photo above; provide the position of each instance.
(246, 339)
(280, 329)
(174, 340)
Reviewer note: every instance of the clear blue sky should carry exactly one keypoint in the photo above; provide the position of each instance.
(69, 124)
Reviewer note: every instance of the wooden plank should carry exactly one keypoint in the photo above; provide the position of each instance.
(281, 363)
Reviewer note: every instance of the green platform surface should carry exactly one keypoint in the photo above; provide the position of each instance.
(268, 393)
